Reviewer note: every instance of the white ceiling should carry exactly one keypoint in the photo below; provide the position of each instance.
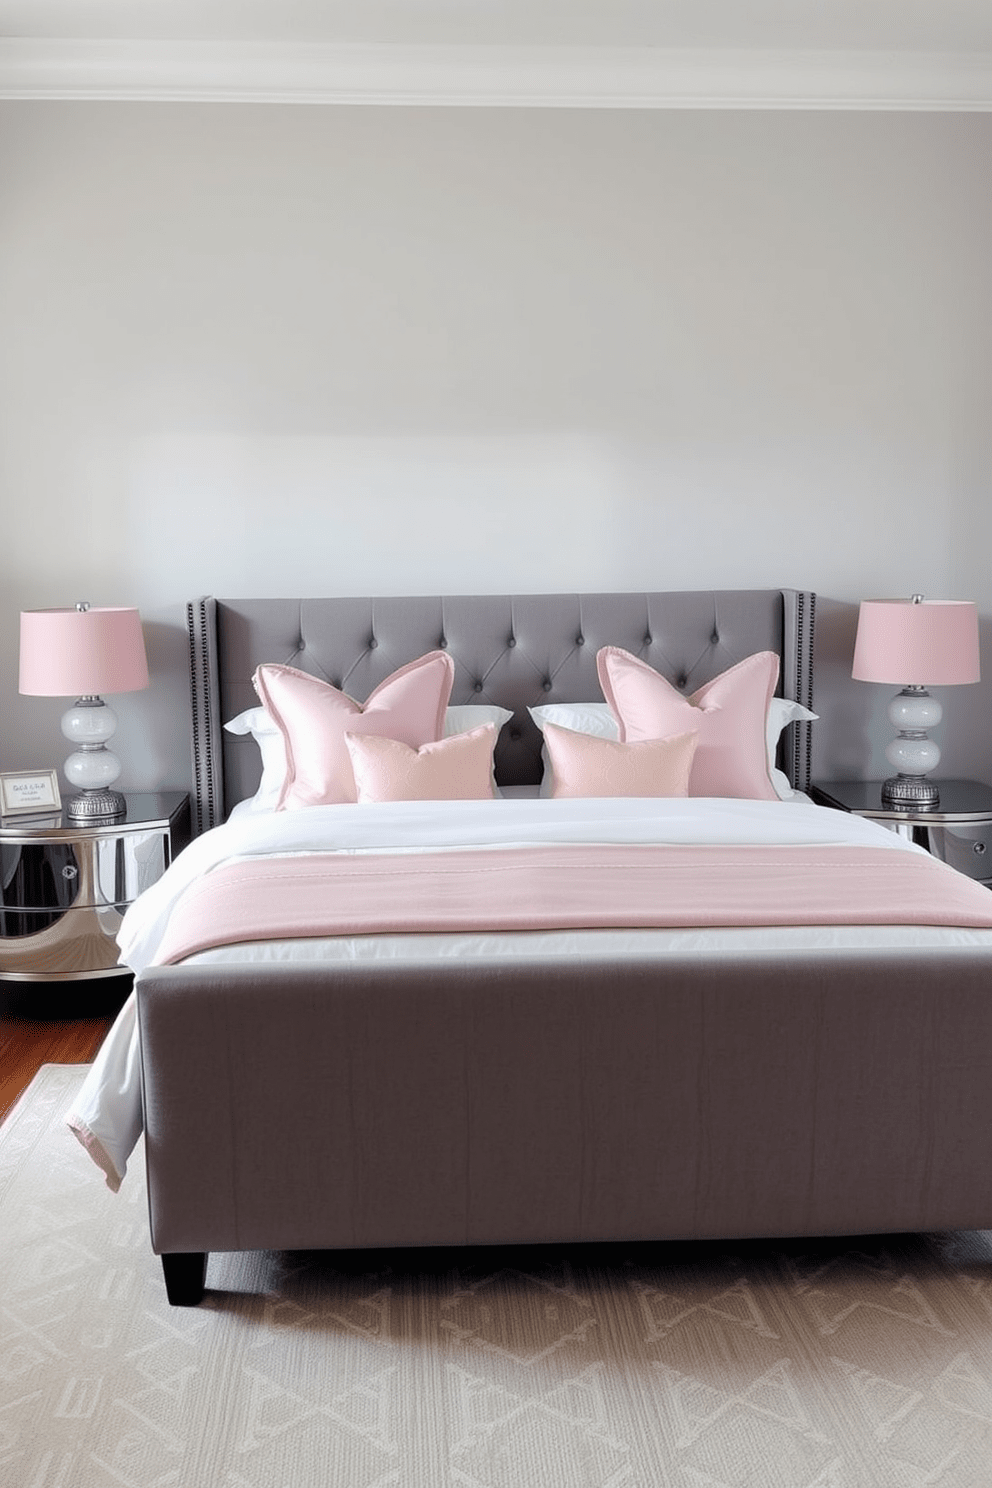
(846, 25)
(908, 54)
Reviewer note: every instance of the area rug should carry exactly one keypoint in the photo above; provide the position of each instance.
(775, 1365)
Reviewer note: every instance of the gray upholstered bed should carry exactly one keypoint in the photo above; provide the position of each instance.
(412, 1102)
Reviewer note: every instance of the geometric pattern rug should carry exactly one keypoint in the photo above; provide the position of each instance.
(856, 1363)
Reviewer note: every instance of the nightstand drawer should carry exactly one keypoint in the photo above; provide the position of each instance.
(123, 867)
(38, 876)
(966, 847)
(55, 876)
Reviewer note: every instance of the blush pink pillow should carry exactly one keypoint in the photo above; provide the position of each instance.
(582, 765)
(459, 768)
(314, 717)
(728, 714)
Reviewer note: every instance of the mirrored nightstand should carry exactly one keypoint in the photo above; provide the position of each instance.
(64, 887)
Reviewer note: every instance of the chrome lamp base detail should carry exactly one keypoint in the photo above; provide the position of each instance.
(910, 793)
(96, 806)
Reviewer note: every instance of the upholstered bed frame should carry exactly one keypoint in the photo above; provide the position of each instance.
(554, 1098)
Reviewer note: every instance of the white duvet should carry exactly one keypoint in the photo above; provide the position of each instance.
(107, 1113)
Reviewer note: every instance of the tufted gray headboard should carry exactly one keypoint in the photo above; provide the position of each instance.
(517, 651)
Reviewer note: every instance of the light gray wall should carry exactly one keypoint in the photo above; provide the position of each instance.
(271, 350)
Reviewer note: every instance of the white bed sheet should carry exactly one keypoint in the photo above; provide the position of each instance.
(107, 1113)
(432, 826)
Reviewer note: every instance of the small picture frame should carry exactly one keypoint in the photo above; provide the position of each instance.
(22, 791)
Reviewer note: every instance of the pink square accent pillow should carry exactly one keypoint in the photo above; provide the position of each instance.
(314, 717)
(459, 768)
(728, 714)
(583, 765)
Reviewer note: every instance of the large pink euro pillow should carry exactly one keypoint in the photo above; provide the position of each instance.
(314, 717)
(728, 716)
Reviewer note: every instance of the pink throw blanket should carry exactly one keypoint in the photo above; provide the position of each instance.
(585, 887)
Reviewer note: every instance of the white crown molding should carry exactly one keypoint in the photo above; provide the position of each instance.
(491, 76)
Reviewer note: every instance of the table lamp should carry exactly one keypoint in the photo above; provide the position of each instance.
(920, 643)
(83, 653)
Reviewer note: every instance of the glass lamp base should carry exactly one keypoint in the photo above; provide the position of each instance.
(910, 793)
(96, 806)
(912, 752)
(92, 768)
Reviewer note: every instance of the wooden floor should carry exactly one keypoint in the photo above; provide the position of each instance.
(43, 1025)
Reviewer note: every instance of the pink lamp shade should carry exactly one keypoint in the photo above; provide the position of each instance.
(917, 642)
(81, 652)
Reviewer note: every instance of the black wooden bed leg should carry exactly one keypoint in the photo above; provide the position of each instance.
(185, 1275)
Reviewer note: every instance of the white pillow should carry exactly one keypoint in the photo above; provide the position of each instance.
(583, 718)
(268, 736)
(596, 719)
(782, 712)
(463, 717)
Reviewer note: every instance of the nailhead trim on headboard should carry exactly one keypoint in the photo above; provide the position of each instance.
(800, 611)
(207, 808)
